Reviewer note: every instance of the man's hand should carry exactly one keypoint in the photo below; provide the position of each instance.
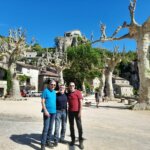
(79, 114)
(46, 113)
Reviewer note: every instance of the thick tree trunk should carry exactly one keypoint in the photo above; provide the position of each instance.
(143, 44)
(102, 85)
(109, 86)
(61, 79)
(16, 88)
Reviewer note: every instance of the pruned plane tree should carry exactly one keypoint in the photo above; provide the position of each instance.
(141, 33)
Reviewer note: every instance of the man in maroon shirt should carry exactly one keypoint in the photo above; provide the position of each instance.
(74, 112)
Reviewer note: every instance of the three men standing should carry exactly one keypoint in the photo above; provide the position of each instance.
(51, 103)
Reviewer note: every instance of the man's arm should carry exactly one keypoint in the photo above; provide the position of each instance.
(46, 113)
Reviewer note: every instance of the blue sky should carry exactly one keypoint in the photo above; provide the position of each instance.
(47, 19)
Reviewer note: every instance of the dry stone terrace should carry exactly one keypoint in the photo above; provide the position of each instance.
(109, 127)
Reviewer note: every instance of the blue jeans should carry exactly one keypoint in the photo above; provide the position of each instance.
(60, 120)
(48, 128)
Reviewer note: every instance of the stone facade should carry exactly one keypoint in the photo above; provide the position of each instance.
(70, 39)
(30, 54)
(73, 33)
(37, 77)
(3, 88)
(29, 71)
(122, 87)
(46, 75)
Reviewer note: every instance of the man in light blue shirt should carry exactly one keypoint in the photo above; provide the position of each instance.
(49, 113)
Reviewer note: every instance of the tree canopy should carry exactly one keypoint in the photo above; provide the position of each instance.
(86, 63)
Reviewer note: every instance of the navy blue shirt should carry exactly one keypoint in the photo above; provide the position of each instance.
(61, 101)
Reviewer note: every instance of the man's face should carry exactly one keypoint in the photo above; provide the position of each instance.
(52, 85)
(71, 87)
(62, 89)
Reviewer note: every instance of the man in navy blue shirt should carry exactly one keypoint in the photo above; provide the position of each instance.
(49, 113)
(61, 106)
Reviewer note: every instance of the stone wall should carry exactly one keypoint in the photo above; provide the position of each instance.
(3, 86)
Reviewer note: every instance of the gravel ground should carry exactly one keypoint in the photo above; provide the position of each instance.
(109, 127)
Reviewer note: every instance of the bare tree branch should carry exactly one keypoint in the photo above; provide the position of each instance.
(15, 46)
(132, 26)
(132, 7)
(113, 39)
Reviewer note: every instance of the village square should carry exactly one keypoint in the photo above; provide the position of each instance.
(113, 89)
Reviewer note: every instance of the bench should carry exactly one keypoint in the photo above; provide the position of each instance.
(130, 100)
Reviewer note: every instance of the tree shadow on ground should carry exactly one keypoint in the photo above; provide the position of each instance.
(27, 139)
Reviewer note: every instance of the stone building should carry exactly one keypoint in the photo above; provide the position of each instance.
(37, 77)
(73, 33)
(45, 75)
(122, 87)
(3, 88)
(30, 71)
(29, 54)
(3, 83)
(70, 39)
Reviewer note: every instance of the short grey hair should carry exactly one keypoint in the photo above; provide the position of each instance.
(52, 81)
(72, 83)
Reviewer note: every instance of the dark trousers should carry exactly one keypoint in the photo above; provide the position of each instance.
(74, 116)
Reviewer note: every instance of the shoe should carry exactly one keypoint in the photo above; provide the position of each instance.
(50, 144)
(62, 141)
(72, 143)
(42, 147)
(55, 143)
(81, 145)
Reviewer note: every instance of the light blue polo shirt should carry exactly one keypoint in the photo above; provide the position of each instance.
(50, 100)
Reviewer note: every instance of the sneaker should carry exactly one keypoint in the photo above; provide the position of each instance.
(42, 147)
(50, 144)
(81, 145)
